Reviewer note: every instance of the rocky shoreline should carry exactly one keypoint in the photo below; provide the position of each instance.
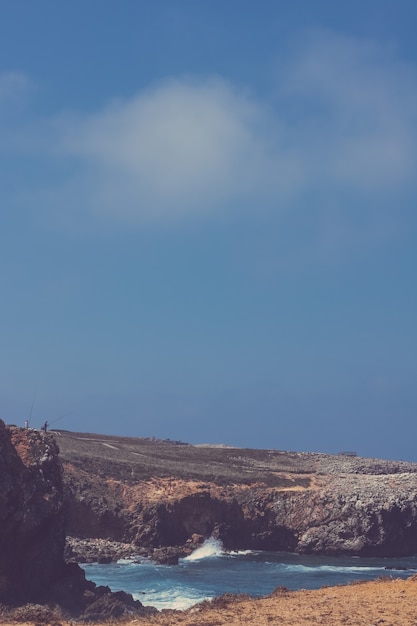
(98, 550)
(108, 551)
(132, 498)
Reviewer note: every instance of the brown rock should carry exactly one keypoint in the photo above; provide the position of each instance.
(158, 495)
(32, 539)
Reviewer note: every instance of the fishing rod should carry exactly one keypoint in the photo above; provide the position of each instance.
(47, 424)
(58, 418)
(31, 409)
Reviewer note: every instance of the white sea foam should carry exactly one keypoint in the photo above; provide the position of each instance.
(210, 548)
(179, 599)
(332, 568)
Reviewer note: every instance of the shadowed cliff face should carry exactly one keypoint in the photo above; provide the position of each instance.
(31, 519)
(159, 494)
(173, 523)
(32, 539)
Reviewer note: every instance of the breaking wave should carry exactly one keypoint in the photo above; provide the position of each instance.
(243, 552)
(210, 571)
(127, 561)
(210, 548)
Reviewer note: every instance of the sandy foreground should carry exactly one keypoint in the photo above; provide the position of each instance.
(385, 602)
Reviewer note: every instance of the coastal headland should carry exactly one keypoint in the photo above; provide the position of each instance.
(164, 498)
(35, 579)
(71, 497)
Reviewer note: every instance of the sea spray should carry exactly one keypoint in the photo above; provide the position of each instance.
(210, 548)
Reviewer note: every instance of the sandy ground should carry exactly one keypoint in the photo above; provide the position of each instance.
(387, 602)
(383, 603)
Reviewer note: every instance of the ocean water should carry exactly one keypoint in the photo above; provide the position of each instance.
(210, 571)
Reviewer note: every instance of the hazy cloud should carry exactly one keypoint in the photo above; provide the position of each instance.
(342, 116)
(182, 147)
(355, 110)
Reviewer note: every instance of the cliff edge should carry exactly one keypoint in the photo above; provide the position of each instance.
(165, 497)
(32, 535)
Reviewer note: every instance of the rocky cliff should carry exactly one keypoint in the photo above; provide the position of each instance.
(31, 521)
(32, 536)
(165, 497)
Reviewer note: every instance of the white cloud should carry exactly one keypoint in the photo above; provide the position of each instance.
(343, 117)
(182, 147)
(359, 103)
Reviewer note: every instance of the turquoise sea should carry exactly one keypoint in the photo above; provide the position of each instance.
(210, 572)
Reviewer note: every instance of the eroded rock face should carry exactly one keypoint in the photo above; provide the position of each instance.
(32, 537)
(31, 521)
(156, 496)
(362, 515)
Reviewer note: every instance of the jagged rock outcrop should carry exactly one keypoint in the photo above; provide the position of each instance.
(157, 495)
(32, 536)
(362, 514)
(31, 521)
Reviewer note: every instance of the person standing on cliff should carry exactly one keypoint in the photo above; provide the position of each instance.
(45, 426)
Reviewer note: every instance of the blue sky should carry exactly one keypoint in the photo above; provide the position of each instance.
(208, 221)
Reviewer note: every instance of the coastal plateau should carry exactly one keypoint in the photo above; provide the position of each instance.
(163, 498)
